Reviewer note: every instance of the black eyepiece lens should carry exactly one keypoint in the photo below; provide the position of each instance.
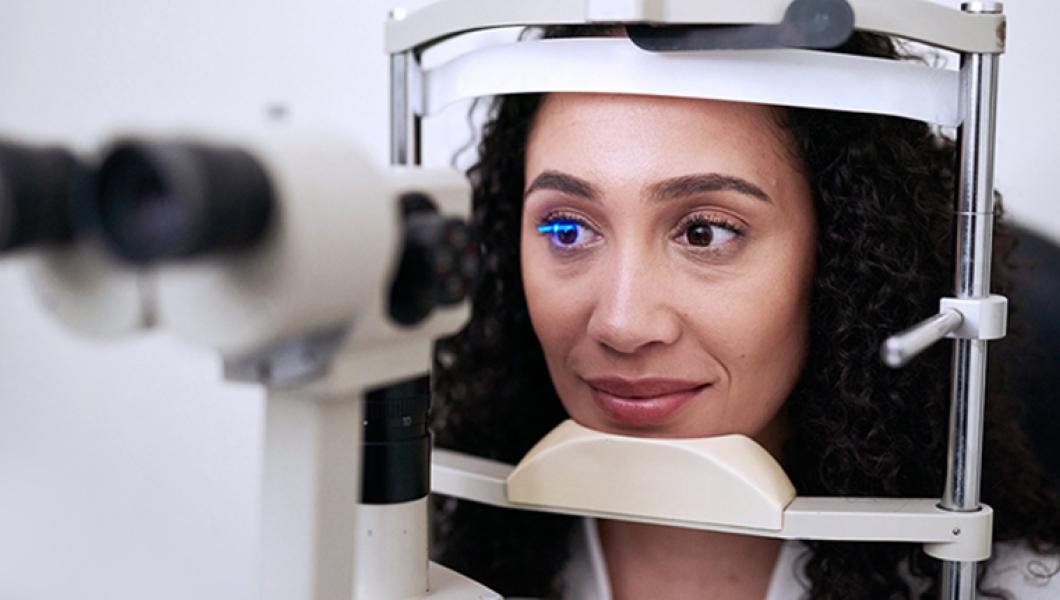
(140, 216)
(174, 201)
(38, 191)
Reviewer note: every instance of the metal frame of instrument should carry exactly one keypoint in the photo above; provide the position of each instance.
(966, 100)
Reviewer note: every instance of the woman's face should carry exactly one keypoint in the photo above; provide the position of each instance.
(667, 254)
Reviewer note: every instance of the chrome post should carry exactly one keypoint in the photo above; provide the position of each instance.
(413, 571)
(404, 123)
(974, 245)
(958, 580)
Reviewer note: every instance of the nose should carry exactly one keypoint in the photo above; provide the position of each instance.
(634, 306)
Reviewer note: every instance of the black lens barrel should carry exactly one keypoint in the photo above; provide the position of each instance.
(439, 262)
(38, 191)
(166, 201)
(397, 443)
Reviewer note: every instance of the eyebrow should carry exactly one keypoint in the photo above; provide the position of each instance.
(668, 189)
(562, 182)
(690, 185)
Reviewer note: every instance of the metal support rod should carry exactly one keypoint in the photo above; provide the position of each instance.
(404, 123)
(397, 566)
(900, 348)
(964, 455)
(974, 241)
(958, 580)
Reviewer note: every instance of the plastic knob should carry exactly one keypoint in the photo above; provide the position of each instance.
(439, 262)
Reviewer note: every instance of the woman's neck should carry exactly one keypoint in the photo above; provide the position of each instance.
(669, 563)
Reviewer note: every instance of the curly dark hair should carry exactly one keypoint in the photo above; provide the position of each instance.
(883, 192)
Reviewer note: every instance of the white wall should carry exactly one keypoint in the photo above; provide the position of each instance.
(128, 470)
(1028, 138)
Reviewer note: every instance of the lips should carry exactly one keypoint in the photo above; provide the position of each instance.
(642, 402)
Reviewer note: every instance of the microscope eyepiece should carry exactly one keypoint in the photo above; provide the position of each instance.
(38, 191)
(167, 201)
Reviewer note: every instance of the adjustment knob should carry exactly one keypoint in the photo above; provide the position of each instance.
(439, 261)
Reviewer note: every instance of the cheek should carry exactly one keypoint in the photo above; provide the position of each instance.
(551, 302)
(768, 336)
(754, 324)
(559, 306)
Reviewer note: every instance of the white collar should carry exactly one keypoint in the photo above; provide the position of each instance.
(586, 576)
(1015, 567)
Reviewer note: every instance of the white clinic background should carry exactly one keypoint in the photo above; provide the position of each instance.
(129, 469)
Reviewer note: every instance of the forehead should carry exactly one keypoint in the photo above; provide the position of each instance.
(627, 136)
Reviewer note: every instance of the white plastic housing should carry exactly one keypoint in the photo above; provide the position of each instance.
(786, 77)
(728, 480)
(90, 293)
(447, 584)
(983, 318)
(310, 487)
(949, 535)
(920, 20)
(326, 263)
(391, 558)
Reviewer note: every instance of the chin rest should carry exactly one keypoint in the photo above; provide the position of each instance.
(728, 480)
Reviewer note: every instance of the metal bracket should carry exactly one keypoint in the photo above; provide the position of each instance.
(918, 20)
(984, 318)
(958, 318)
(289, 361)
(946, 535)
(813, 24)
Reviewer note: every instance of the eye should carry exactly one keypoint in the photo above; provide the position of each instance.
(567, 232)
(701, 232)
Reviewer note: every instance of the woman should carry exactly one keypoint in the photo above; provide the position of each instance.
(675, 267)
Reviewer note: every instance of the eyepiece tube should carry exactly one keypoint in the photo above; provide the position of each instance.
(172, 201)
(38, 191)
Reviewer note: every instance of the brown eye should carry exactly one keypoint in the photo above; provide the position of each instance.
(567, 236)
(568, 233)
(699, 234)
